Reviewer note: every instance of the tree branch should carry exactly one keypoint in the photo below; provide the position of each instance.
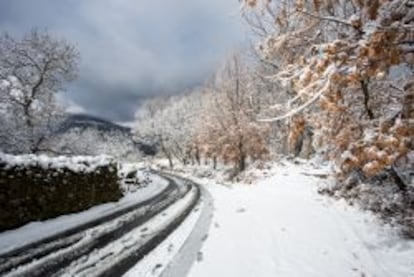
(295, 111)
(330, 18)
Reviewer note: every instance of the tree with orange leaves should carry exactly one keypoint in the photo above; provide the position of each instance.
(230, 132)
(344, 61)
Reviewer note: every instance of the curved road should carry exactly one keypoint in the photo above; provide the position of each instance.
(110, 245)
(190, 251)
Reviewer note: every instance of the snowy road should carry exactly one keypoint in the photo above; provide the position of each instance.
(281, 226)
(37, 231)
(177, 253)
(107, 246)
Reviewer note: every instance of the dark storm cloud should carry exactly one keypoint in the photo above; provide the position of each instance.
(132, 49)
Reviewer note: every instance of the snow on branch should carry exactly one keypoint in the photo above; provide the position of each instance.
(329, 18)
(294, 111)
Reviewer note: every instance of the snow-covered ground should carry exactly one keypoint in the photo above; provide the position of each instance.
(174, 256)
(35, 231)
(281, 226)
(104, 258)
(276, 225)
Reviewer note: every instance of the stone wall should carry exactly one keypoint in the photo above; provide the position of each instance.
(32, 192)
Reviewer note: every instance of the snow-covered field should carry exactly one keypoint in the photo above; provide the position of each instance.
(281, 226)
(35, 231)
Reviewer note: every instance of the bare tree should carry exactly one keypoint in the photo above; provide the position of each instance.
(171, 123)
(91, 141)
(230, 131)
(32, 70)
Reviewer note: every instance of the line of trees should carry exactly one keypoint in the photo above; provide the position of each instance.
(215, 122)
(328, 77)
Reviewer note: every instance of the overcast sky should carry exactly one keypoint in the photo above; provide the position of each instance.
(132, 49)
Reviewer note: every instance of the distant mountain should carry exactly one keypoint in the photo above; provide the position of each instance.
(84, 122)
(89, 121)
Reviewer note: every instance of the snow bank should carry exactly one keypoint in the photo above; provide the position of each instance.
(224, 174)
(75, 163)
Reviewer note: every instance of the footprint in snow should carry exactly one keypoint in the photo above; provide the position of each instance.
(204, 237)
(170, 247)
(199, 256)
(156, 268)
(241, 210)
(216, 225)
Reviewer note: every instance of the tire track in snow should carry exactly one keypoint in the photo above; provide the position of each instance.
(49, 255)
(189, 252)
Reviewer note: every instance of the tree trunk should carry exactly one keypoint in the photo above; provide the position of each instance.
(408, 109)
(166, 152)
(197, 155)
(170, 162)
(398, 181)
(242, 163)
(242, 157)
(365, 91)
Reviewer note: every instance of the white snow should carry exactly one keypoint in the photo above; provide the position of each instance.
(281, 226)
(4, 84)
(128, 244)
(277, 226)
(175, 255)
(34, 231)
(75, 163)
(156, 261)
